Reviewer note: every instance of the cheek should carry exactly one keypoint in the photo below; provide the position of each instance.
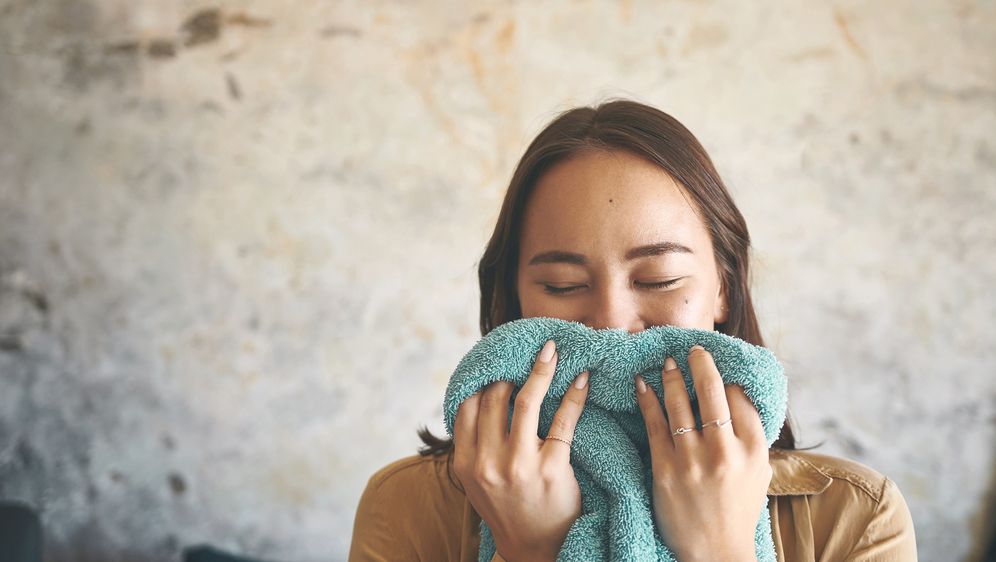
(534, 303)
(684, 310)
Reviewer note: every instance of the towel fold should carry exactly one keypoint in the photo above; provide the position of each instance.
(609, 453)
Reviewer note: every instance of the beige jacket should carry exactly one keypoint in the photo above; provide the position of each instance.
(822, 508)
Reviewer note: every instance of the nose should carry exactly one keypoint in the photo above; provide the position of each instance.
(616, 307)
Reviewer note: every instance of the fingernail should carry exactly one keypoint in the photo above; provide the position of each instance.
(670, 364)
(581, 381)
(640, 385)
(694, 347)
(546, 354)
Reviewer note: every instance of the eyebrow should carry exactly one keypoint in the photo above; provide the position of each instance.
(657, 249)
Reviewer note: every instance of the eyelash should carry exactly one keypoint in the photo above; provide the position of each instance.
(565, 290)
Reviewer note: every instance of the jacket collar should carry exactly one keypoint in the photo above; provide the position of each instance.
(792, 475)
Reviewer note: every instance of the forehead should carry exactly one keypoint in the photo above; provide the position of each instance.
(600, 201)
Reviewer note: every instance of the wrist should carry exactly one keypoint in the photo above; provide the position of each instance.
(714, 555)
(531, 557)
(527, 556)
(712, 558)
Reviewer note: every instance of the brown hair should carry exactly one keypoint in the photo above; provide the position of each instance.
(648, 133)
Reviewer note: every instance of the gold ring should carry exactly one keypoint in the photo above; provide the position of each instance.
(682, 431)
(559, 439)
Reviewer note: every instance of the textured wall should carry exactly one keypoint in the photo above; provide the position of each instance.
(238, 240)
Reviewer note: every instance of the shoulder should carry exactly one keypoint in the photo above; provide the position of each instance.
(853, 511)
(414, 484)
(806, 472)
(408, 470)
(409, 510)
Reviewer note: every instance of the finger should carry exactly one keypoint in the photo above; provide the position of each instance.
(492, 421)
(746, 419)
(525, 416)
(658, 429)
(465, 424)
(678, 405)
(565, 421)
(710, 392)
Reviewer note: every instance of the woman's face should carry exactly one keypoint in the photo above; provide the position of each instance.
(610, 241)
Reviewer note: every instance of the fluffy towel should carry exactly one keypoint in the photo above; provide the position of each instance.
(610, 454)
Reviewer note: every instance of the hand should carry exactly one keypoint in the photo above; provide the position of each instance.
(708, 485)
(522, 486)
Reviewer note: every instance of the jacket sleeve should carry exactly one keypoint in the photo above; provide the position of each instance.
(889, 534)
(375, 534)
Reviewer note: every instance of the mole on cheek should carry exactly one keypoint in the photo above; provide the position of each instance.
(686, 301)
(610, 200)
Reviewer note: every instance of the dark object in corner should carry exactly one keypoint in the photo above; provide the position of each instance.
(205, 553)
(20, 533)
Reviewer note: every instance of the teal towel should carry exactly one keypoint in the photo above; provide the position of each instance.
(610, 454)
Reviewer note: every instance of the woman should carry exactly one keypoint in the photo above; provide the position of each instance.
(616, 218)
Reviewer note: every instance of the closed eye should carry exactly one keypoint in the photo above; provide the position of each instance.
(564, 290)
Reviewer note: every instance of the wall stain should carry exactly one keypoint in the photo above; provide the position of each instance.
(210, 106)
(246, 20)
(813, 53)
(340, 30)
(129, 47)
(233, 86)
(161, 49)
(705, 36)
(202, 27)
(505, 37)
(71, 17)
(626, 11)
(848, 38)
(922, 87)
(11, 343)
(177, 484)
(82, 66)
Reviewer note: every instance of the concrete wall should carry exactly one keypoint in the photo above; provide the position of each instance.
(238, 240)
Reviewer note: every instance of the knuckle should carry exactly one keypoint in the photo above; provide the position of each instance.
(677, 408)
(495, 396)
(526, 402)
(486, 474)
(549, 473)
(664, 485)
(698, 352)
(572, 401)
(721, 462)
(712, 388)
(649, 404)
(560, 426)
(648, 409)
(519, 472)
(768, 473)
(655, 427)
(758, 448)
(688, 473)
(544, 368)
(673, 376)
(462, 465)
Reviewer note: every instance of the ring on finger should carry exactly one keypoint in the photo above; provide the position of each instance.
(559, 439)
(682, 431)
(717, 423)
